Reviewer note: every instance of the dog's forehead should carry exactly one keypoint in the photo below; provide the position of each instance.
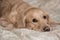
(38, 13)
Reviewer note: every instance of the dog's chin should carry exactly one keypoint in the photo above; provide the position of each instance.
(33, 28)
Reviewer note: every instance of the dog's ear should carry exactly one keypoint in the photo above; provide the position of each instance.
(25, 16)
(25, 21)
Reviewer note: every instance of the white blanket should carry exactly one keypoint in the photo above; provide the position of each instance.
(26, 34)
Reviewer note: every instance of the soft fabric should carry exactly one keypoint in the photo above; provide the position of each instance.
(26, 34)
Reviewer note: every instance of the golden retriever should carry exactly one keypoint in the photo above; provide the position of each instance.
(18, 14)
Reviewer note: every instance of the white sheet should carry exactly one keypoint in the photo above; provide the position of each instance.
(26, 34)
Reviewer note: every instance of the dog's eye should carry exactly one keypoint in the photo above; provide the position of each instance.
(35, 20)
(44, 17)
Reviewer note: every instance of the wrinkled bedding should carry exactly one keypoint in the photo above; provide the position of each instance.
(26, 34)
(52, 7)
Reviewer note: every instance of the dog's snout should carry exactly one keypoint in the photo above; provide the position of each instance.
(46, 29)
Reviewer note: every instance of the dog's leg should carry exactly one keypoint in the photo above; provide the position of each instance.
(6, 25)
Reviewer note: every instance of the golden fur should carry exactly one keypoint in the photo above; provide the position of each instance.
(18, 14)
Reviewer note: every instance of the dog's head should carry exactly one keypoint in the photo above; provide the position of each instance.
(36, 19)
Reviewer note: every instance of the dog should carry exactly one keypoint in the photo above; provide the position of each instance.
(18, 14)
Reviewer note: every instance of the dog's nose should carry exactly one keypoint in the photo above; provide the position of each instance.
(46, 29)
